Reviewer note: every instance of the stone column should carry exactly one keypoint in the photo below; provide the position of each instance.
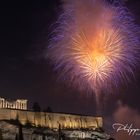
(4, 104)
(16, 105)
(25, 104)
(1, 104)
(24, 107)
(19, 105)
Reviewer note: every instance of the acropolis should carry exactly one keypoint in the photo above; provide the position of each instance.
(11, 110)
(70, 124)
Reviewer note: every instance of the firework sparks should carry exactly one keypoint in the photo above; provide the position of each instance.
(96, 45)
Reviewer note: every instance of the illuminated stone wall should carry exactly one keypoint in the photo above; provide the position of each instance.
(51, 120)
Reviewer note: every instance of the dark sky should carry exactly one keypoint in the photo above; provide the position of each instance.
(24, 73)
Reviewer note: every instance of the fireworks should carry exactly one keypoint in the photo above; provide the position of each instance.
(95, 45)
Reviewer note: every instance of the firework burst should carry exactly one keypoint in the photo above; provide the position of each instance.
(95, 45)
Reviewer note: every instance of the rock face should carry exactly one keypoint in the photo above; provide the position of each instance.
(10, 131)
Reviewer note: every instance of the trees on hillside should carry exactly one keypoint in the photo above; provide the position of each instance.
(48, 109)
(19, 136)
(20, 132)
(36, 107)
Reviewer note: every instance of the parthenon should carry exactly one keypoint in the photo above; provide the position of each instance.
(17, 104)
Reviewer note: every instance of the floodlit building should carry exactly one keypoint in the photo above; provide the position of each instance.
(13, 104)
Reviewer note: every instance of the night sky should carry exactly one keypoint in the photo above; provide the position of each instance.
(24, 71)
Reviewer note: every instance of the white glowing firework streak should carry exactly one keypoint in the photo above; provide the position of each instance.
(95, 45)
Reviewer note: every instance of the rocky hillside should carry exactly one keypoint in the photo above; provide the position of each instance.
(12, 130)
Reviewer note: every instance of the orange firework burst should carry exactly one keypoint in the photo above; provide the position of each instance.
(96, 57)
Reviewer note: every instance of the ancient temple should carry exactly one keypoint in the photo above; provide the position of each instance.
(13, 104)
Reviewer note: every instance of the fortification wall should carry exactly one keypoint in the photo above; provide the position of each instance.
(51, 120)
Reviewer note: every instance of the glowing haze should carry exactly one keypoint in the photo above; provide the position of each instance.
(95, 45)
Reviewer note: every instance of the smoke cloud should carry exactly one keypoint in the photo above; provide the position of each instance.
(125, 115)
